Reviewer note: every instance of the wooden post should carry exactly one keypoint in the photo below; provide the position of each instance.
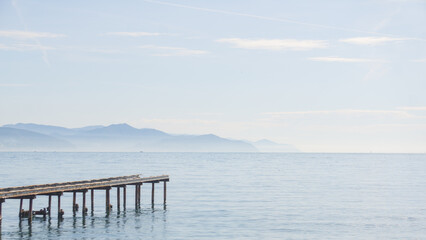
(30, 212)
(1, 201)
(59, 207)
(20, 208)
(84, 203)
(50, 204)
(74, 195)
(124, 197)
(136, 196)
(107, 202)
(152, 194)
(139, 194)
(164, 194)
(92, 195)
(118, 198)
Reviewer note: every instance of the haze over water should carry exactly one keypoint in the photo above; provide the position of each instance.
(231, 196)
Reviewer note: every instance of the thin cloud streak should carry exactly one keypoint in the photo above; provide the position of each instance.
(45, 57)
(345, 60)
(285, 20)
(341, 111)
(14, 85)
(371, 40)
(166, 51)
(24, 47)
(134, 34)
(412, 108)
(274, 44)
(28, 35)
(419, 60)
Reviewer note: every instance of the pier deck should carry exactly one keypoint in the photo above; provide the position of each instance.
(45, 189)
(58, 189)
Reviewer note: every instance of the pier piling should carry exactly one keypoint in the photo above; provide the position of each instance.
(124, 197)
(74, 204)
(165, 192)
(139, 194)
(1, 201)
(152, 194)
(92, 199)
(20, 208)
(57, 189)
(118, 198)
(49, 208)
(30, 212)
(59, 206)
(84, 209)
(107, 201)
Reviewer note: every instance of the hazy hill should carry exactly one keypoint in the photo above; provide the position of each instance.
(121, 137)
(265, 145)
(50, 130)
(12, 139)
(202, 143)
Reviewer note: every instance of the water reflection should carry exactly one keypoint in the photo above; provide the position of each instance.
(124, 222)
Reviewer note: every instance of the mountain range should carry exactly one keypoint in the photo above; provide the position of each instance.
(122, 137)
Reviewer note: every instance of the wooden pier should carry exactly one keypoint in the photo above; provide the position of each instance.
(58, 189)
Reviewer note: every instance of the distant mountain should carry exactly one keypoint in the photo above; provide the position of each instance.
(50, 130)
(12, 139)
(265, 145)
(124, 130)
(202, 143)
(43, 129)
(121, 137)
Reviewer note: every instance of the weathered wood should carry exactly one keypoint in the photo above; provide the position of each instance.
(1, 202)
(59, 207)
(49, 208)
(30, 216)
(152, 194)
(74, 205)
(18, 192)
(124, 197)
(92, 199)
(107, 201)
(136, 196)
(69, 183)
(139, 194)
(57, 189)
(84, 203)
(118, 198)
(20, 208)
(165, 192)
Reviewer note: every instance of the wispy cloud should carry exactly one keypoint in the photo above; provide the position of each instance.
(371, 40)
(419, 60)
(135, 34)
(14, 85)
(399, 113)
(283, 20)
(346, 60)
(165, 51)
(24, 47)
(412, 108)
(28, 35)
(274, 44)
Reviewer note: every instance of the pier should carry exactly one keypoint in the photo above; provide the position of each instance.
(58, 189)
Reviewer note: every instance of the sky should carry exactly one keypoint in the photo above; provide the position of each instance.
(325, 76)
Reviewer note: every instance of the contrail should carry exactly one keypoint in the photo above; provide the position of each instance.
(37, 42)
(285, 20)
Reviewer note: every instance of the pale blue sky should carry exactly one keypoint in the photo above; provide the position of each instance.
(326, 76)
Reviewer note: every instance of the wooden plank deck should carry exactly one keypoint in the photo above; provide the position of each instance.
(46, 189)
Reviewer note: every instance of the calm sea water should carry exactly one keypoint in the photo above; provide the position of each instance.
(230, 196)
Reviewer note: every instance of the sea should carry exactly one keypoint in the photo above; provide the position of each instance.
(228, 196)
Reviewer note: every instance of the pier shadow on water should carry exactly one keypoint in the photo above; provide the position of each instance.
(115, 225)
